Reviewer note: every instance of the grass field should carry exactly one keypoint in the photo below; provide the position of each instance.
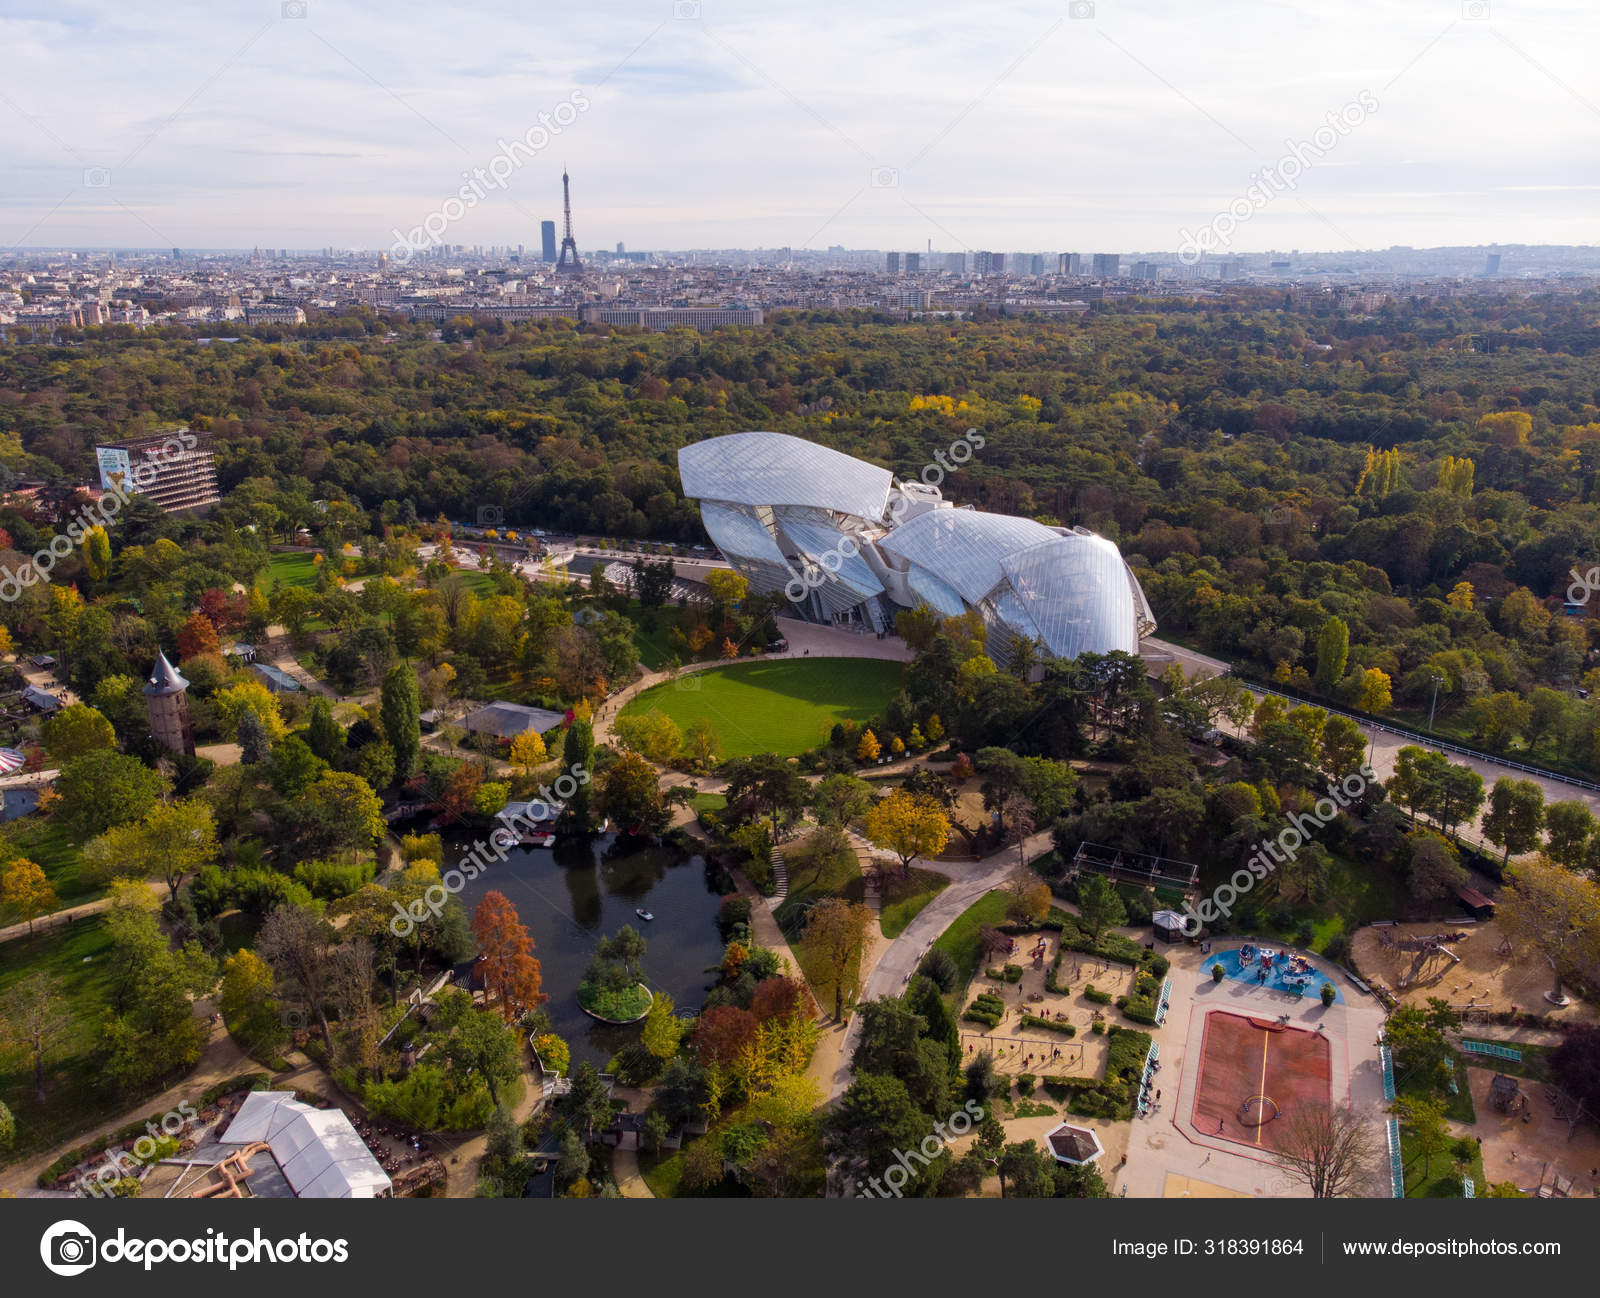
(907, 898)
(288, 568)
(961, 938)
(781, 707)
(54, 849)
(78, 957)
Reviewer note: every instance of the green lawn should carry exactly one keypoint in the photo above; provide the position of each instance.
(288, 568)
(811, 881)
(79, 957)
(961, 938)
(907, 898)
(54, 849)
(783, 707)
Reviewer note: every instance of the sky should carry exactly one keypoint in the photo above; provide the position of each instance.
(1065, 126)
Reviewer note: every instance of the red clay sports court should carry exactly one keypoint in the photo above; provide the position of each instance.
(1254, 1073)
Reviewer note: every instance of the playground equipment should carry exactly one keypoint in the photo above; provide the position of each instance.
(1426, 946)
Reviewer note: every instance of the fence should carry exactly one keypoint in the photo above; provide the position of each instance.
(1492, 1050)
(1388, 1072)
(1397, 1170)
(1427, 741)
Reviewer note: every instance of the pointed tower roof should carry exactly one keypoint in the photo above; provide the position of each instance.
(164, 678)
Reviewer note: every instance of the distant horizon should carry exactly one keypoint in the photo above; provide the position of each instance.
(603, 248)
(703, 127)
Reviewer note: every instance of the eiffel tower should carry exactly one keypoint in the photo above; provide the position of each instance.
(568, 243)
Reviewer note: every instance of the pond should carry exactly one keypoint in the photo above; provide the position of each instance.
(572, 895)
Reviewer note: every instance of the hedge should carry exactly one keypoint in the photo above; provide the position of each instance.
(987, 1009)
(1049, 1025)
(1093, 993)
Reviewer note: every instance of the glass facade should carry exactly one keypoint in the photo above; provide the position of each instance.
(800, 518)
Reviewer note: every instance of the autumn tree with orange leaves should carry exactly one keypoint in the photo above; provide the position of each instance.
(510, 973)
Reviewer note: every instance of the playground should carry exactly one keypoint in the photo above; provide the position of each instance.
(1474, 967)
(1254, 1073)
(1022, 1047)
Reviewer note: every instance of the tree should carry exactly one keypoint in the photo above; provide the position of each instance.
(485, 1046)
(1575, 1065)
(248, 696)
(255, 744)
(1435, 871)
(1515, 816)
(727, 587)
(1424, 1115)
(1025, 1172)
(1027, 900)
(527, 750)
(399, 710)
(868, 748)
(836, 929)
(75, 730)
(874, 1118)
(25, 892)
(103, 788)
(340, 812)
(1333, 650)
(909, 825)
(298, 944)
(1417, 1038)
(662, 1030)
(1375, 694)
(630, 794)
(1331, 1149)
(1556, 914)
(197, 636)
(248, 1005)
(1572, 835)
(577, 755)
(293, 768)
(34, 1020)
(509, 970)
(1099, 905)
(841, 798)
(174, 841)
(1342, 746)
(772, 786)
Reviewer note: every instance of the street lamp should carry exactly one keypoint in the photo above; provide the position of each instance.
(1437, 678)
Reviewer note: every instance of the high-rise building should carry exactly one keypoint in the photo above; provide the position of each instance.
(988, 263)
(547, 240)
(620, 248)
(913, 263)
(1036, 264)
(891, 263)
(955, 263)
(1491, 265)
(1106, 265)
(1143, 270)
(176, 471)
(1069, 263)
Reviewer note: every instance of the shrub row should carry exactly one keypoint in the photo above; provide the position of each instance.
(1093, 993)
(1049, 1025)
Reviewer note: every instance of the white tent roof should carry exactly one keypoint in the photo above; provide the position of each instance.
(318, 1150)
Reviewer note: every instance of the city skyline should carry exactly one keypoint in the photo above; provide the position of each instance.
(1080, 127)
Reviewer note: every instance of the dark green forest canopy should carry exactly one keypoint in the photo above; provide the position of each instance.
(1234, 449)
